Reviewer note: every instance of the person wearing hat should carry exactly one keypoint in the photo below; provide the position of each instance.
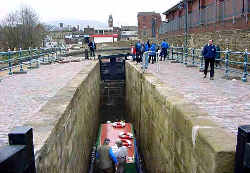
(105, 156)
(121, 155)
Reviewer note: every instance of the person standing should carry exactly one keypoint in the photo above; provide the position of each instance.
(152, 54)
(133, 52)
(92, 47)
(209, 53)
(164, 49)
(138, 47)
(105, 156)
(121, 155)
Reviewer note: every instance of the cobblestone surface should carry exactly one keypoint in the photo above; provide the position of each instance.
(21, 96)
(226, 101)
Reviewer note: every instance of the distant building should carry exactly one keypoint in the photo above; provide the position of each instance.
(129, 32)
(129, 28)
(148, 24)
(89, 30)
(207, 16)
(110, 21)
(61, 25)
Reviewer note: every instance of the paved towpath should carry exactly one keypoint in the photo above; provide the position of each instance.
(226, 101)
(21, 96)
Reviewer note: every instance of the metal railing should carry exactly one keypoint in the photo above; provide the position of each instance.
(12, 59)
(230, 61)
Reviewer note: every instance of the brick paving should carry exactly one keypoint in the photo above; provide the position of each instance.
(22, 95)
(226, 101)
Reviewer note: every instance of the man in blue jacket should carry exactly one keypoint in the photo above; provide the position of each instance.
(209, 53)
(164, 49)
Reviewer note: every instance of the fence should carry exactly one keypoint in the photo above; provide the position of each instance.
(12, 59)
(234, 62)
(216, 12)
(230, 61)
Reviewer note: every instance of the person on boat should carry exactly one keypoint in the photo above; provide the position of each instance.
(104, 158)
(121, 155)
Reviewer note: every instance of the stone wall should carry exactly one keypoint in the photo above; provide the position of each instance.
(236, 40)
(63, 143)
(173, 135)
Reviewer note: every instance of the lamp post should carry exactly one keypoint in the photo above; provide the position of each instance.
(186, 30)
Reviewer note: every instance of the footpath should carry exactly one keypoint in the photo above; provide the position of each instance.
(226, 101)
(22, 95)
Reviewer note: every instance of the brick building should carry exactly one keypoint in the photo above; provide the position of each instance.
(148, 24)
(207, 16)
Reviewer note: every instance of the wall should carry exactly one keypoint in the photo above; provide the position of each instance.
(174, 135)
(63, 143)
(236, 40)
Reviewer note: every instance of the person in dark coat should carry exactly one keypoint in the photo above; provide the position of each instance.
(92, 47)
(138, 47)
(209, 53)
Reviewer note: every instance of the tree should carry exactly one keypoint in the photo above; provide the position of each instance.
(22, 29)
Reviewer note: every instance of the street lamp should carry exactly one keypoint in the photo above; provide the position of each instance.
(186, 30)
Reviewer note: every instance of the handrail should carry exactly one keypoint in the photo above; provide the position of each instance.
(194, 57)
(31, 55)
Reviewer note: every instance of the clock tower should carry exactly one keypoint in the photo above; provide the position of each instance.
(110, 21)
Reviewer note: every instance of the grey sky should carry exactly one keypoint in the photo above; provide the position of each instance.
(124, 12)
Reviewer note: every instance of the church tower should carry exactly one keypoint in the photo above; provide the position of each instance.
(110, 21)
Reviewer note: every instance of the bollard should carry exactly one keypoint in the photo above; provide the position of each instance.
(186, 55)
(86, 54)
(9, 61)
(242, 160)
(18, 157)
(193, 56)
(182, 53)
(157, 65)
(20, 60)
(244, 76)
(37, 60)
(201, 61)
(172, 51)
(227, 63)
(30, 53)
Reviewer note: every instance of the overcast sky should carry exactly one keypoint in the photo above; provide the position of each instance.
(124, 12)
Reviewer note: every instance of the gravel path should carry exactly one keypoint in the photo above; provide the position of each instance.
(226, 101)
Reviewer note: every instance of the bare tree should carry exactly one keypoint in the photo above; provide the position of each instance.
(22, 29)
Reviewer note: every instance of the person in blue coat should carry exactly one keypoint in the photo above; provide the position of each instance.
(164, 49)
(138, 48)
(209, 54)
(152, 54)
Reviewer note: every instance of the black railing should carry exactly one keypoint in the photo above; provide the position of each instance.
(18, 156)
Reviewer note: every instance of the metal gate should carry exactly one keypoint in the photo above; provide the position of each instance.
(112, 67)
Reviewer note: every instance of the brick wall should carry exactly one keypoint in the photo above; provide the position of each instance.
(145, 24)
(236, 40)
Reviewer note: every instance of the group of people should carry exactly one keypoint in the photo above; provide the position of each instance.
(138, 50)
(210, 53)
(108, 161)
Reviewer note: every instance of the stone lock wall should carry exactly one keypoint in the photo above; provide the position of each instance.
(173, 135)
(66, 139)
